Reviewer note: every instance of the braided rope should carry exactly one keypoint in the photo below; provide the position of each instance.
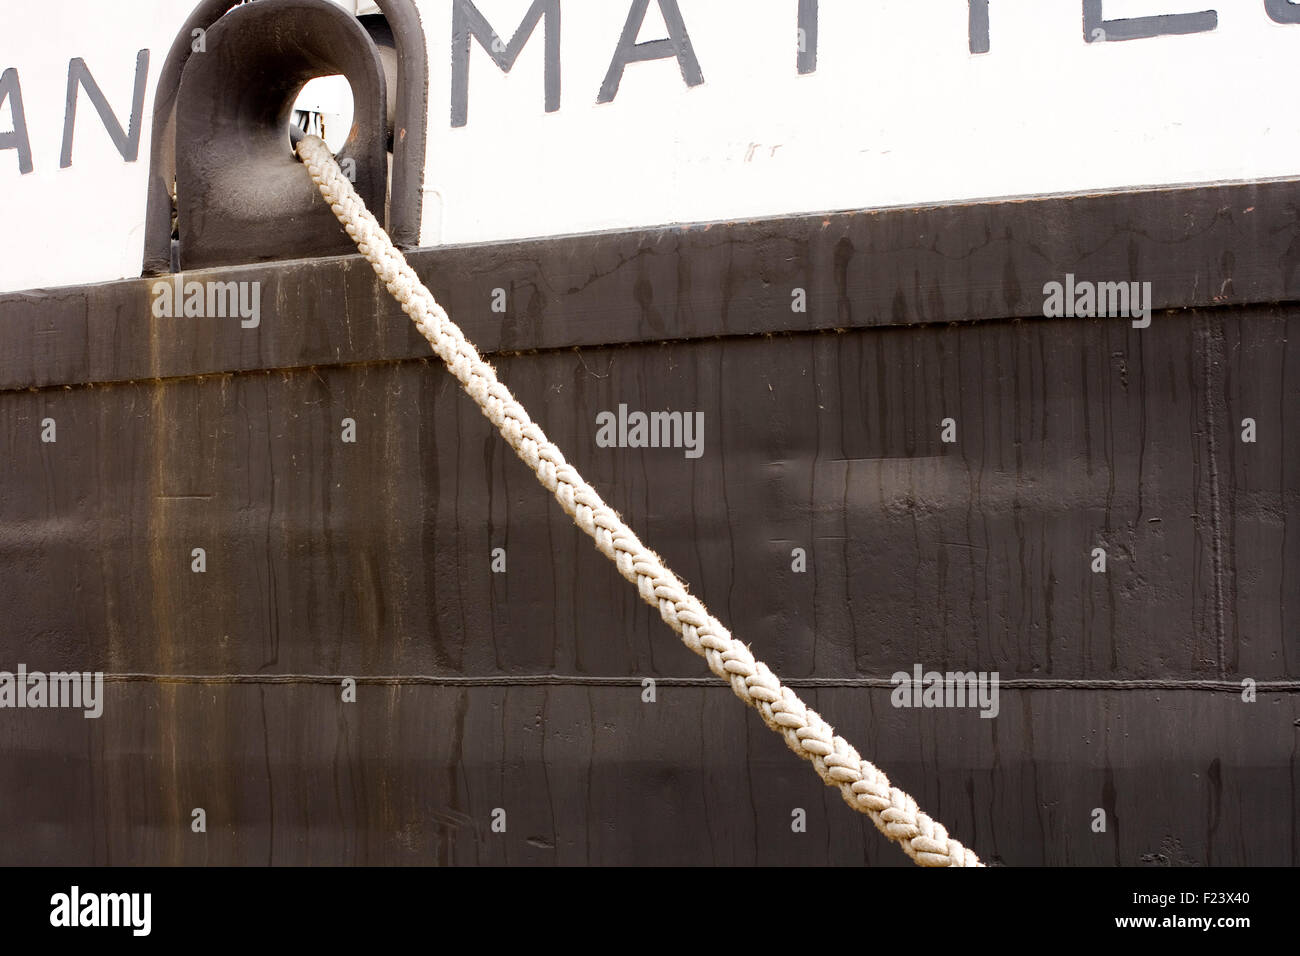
(864, 787)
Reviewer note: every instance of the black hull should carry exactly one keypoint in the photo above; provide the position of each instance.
(523, 690)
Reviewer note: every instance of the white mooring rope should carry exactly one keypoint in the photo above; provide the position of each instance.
(864, 787)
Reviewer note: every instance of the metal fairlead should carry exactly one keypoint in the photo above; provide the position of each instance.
(222, 121)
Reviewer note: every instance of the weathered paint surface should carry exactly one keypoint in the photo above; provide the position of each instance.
(522, 690)
(411, 774)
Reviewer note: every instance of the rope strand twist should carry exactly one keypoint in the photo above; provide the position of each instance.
(864, 787)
